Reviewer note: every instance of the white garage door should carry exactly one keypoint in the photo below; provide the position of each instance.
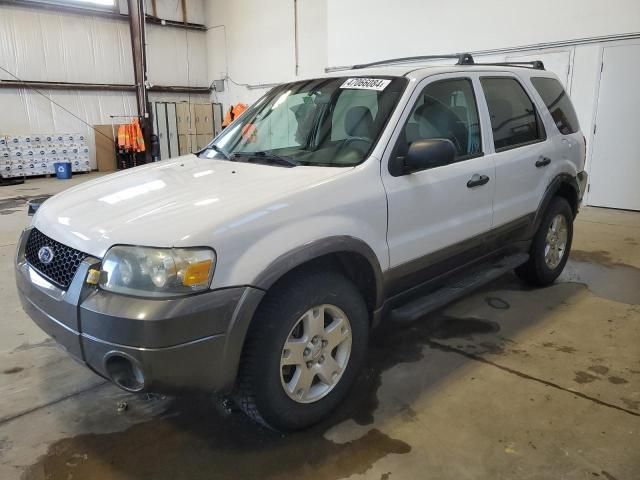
(615, 162)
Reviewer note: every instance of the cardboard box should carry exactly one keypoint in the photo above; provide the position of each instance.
(105, 147)
(17, 170)
(5, 170)
(16, 155)
(185, 118)
(30, 167)
(203, 140)
(204, 119)
(37, 141)
(187, 144)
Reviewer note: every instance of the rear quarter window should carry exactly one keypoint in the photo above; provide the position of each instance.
(558, 103)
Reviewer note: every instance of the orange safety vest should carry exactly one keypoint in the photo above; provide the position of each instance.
(138, 139)
(130, 137)
(233, 112)
(122, 137)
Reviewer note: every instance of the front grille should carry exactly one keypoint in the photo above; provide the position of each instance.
(66, 260)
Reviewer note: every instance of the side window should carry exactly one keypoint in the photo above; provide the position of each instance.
(558, 103)
(514, 119)
(445, 109)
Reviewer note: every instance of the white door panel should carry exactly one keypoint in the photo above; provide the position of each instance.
(434, 209)
(172, 130)
(163, 134)
(519, 183)
(521, 142)
(615, 161)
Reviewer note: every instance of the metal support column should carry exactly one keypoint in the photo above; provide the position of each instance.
(137, 29)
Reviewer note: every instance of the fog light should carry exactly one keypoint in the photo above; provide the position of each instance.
(124, 371)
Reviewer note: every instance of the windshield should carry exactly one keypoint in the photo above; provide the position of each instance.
(321, 122)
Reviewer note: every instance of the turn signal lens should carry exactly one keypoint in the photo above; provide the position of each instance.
(197, 273)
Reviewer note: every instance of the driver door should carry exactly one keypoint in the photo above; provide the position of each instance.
(436, 220)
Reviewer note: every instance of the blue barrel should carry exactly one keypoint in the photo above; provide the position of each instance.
(63, 170)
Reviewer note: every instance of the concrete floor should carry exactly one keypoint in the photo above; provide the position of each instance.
(509, 383)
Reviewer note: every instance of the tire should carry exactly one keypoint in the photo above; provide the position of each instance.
(543, 266)
(266, 390)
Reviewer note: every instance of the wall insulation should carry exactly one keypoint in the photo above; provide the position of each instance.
(49, 46)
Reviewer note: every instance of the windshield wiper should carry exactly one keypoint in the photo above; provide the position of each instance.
(216, 148)
(267, 157)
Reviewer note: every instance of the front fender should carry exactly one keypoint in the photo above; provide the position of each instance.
(292, 244)
(316, 249)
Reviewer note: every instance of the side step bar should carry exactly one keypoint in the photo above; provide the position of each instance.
(457, 287)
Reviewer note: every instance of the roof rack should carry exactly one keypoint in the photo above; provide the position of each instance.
(463, 59)
(536, 64)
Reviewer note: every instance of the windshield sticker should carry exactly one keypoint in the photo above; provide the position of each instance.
(366, 83)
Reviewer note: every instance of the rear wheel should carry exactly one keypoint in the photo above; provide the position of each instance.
(551, 245)
(304, 350)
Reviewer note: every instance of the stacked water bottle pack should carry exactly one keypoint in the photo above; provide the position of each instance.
(27, 155)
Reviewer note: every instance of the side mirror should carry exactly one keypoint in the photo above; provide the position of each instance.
(424, 154)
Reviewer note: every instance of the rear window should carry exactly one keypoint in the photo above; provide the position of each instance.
(558, 103)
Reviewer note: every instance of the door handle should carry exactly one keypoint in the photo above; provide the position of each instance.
(477, 180)
(543, 162)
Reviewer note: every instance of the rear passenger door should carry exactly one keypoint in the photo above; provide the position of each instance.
(522, 156)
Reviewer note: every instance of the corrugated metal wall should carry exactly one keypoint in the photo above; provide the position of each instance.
(42, 45)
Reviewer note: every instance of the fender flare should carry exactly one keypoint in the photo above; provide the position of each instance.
(318, 248)
(550, 192)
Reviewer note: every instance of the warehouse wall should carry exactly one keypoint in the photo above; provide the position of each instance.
(90, 49)
(252, 43)
(363, 30)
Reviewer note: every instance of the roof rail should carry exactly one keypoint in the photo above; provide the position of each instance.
(536, 64)
(463, 59)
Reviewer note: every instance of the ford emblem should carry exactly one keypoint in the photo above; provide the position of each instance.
(45, 255)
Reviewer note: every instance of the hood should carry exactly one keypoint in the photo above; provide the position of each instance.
(165, 203)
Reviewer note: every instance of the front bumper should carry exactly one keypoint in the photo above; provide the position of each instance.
(190, 343)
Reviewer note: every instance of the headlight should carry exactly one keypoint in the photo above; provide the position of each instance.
(157, 272)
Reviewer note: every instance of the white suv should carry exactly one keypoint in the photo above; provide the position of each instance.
(258, 267)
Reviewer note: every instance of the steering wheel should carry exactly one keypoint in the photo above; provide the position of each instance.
(349, 140)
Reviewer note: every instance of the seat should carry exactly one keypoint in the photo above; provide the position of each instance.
(442, 122)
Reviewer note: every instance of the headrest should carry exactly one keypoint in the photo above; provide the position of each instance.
(359, 122)
(500, 110)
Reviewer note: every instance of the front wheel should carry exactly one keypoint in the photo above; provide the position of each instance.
(551, 245)
(304, 350)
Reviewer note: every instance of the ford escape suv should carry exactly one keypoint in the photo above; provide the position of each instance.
(257, 267)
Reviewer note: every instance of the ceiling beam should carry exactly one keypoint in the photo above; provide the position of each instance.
(105, 87)
(103, 13)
